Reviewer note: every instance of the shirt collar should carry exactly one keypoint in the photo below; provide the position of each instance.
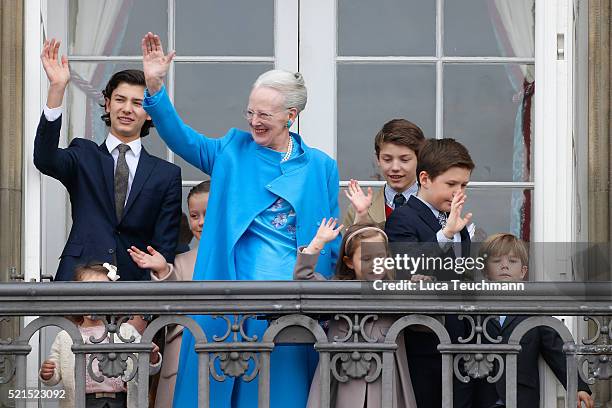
(390, 193)
(112, 142)
(433, 209)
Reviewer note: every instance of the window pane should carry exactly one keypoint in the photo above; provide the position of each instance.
(498, 210)
(210, 97)
(489, 28)
(228, 27)
(386, 27)
(115, 27)
(486, 109)
(370, 95)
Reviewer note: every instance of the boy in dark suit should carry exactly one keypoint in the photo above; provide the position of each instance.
(121, 196)
(432, 223)
(506, 259)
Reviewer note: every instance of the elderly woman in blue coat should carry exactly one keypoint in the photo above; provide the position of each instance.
(269, 191)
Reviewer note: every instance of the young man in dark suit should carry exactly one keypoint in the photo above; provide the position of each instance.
(431, 223)
(120, 194)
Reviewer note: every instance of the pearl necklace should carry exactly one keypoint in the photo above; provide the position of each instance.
(289, 150)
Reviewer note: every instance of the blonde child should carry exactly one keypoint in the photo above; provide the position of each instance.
(507, 259)
(181, 269)
(59, 366)
(362, 243)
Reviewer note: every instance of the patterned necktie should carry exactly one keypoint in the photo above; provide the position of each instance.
(121, 180)
(442, 219)
(399, 200)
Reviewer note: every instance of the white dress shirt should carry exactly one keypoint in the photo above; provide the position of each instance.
(52, 114)
(131, 156)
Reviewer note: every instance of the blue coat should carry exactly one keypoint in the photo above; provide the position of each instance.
(244, 182)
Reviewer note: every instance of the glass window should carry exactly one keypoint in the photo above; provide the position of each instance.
(499, 209)
(370, 95)
(495, 28)
(485, 109)
(114, 27)
(386, 27)
(229, 27)
(482, 96)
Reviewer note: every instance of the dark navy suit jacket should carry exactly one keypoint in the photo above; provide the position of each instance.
(151, 215)
(542, 340)
(416, 227)
(415, 223)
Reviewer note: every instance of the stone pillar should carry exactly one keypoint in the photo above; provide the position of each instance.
(11, 142)
(11, 135)
(600, 143)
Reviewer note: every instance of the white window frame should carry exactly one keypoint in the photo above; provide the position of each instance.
(553, 102)
(555, 198)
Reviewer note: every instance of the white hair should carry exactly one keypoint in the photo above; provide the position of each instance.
(289, 84)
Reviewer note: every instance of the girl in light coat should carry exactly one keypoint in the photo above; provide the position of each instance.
(59, 366)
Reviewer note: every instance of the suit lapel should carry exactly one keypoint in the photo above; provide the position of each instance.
(108, 170)
(424, 213)
(377, 209)
(143, 171)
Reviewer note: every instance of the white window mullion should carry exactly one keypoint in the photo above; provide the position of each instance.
(170, 78)
(439, 69)
(33, 89)
(317, 59)
(554, 196)
(286, 26)
(553, 174)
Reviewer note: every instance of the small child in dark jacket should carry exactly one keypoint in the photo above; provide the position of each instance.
(506, 259)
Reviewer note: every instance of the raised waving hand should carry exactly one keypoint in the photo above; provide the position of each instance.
(155, 63)
(327, 232)
(456, 222)
(360, 201)
(57, 70)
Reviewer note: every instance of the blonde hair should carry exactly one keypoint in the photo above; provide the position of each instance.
(504, 244)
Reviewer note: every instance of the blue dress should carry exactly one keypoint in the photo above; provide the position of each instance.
(266, 251)
(246, 182)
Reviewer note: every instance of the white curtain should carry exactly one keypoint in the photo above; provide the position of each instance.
(97, 28)
(514, 26)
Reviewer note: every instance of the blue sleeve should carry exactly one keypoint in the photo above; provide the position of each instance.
(195, 148)
(333, 189)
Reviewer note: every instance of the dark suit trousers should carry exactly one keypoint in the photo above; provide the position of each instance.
(425, 365)
(120, 401)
